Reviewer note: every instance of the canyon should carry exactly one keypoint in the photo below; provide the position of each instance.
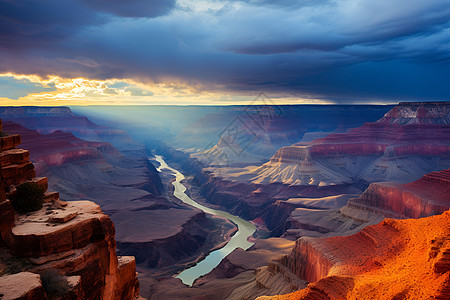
(123, 182)
(408, 142)
(331, 255)
(337, 203)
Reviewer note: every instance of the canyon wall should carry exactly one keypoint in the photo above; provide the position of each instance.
(341, 265)
(427, 196)
(394, 259)
(411, 140)
(74, 239)
(49, 119)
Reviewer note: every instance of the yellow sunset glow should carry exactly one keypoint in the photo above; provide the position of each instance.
(82, 91)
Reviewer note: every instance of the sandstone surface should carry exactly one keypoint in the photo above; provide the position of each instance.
(396, 258)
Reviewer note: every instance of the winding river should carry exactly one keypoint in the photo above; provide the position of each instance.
(239, 240)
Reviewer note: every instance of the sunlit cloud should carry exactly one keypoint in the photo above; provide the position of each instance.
(82, 91)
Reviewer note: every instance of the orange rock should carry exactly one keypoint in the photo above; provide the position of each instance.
(32, 236)
(394, 259)
(14, 156)
(127, 288)
(15, 174)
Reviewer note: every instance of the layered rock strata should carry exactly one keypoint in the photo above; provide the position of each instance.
(409, 141)
(74, 238)
(391, 260)
(49, 119)
(427, 196)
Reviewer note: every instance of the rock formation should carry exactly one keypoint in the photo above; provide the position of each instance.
(58, 147)
(342, 264)
(254, 133)
(409, 141)
(49, 119)
(396, 259)
(75, 239)
(427, 196)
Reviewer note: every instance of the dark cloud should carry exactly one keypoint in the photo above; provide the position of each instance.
(29, 24)
(331, 49)
(133, 8)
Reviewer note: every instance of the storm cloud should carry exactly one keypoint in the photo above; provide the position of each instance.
(344, 50)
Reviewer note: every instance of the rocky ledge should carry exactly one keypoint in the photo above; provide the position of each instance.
(74, 241)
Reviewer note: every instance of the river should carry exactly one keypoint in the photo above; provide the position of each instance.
(238, 240)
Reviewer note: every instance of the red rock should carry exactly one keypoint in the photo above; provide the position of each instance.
(32, 237)
(51, 197)
(58, 147)
(412, 139)
(424, 197)
(15, 174)
(9, 142)
(126, 288)
(21, 286)
(78, 239)
(395, 258)
(63, 218)
(14, 156)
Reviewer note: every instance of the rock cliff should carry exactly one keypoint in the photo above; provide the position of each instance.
(49, 119)
(74, 239)
(409, 141)
(58, 147)
(424, 197)
(395, 259)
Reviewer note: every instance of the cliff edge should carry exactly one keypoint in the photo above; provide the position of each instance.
(395, 259)
(67, 246)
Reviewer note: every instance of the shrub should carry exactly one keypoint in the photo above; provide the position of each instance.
(2, 134)
(55, 284)
(29, 197)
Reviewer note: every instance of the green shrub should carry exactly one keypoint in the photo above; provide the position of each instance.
(55, 284)
(29, 197)
(2, 134)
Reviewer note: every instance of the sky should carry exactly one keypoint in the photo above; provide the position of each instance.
(81, 52)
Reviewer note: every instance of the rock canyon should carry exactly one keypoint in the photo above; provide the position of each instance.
(346, 202)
